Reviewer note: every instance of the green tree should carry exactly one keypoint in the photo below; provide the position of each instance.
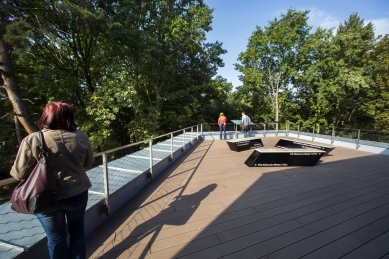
(60, 50)
(378, 104)
(166, 63)
(335, 79)
(216, 98)
(272, 56)
(314, 82)
(131, 68)
(8, 79)
(352, 44)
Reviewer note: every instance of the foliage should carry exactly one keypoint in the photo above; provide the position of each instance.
(132, 69)
(318, 79)
(271, 61)
(377, 105)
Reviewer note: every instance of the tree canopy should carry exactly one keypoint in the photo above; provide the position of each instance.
(323, 79)
(132, 69)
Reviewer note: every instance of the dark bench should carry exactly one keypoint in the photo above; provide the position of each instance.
(270, 157)
(297, 143)
(244, 144)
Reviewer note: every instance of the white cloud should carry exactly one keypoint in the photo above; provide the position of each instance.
(318, 18)
(326, 20)
(381, 26)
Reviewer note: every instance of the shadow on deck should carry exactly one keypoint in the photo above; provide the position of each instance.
(208, 204)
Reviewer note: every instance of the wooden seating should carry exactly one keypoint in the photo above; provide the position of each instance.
(269, 157)
(244, 144)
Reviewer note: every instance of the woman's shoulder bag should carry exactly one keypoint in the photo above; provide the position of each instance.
(36, 193)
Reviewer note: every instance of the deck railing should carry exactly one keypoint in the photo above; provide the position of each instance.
(195, 132)
(353, 135)
(369, 137)
(106, 207)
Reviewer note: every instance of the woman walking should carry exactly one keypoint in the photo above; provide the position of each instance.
(69, 151)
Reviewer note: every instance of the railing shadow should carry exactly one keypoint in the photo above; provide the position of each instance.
(136, 239)
(149, 230)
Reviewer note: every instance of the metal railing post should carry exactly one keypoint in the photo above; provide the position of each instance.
(105, 208)
(183, 143)
(277, 125)
(197, 135)
(298, 131)
(287, 126)
(332, 135)
(171, 146)
(313, 133)
(359, 137)
(151, 159)
(201, 130)
(264, 130)
(191, 135)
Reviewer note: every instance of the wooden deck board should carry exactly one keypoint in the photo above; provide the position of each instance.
(376, 248)
(351, 242)
(208, 204)
(314, 242)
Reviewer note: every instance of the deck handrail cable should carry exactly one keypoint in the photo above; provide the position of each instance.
(359, 133)
(105, 208)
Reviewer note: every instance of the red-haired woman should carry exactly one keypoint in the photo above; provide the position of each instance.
(69, 151)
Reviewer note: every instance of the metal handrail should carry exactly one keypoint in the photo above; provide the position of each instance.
(137, 143)
(119, 148)
(361, 129)
(12, 180)
(360, 134)
(7, 181)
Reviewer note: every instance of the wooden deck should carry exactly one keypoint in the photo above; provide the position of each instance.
(210, 205)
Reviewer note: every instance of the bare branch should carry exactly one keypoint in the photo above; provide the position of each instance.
(37, 9)
(11, 113)
(31, 54)
(28, 100)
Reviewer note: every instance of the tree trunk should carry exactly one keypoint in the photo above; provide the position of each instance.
(18, 128)
(277, 112)
(11, 87)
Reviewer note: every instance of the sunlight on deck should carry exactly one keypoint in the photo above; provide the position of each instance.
(208, 204)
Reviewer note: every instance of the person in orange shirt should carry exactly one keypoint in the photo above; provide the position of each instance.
(222, 122)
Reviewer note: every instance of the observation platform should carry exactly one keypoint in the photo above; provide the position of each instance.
(207, 204)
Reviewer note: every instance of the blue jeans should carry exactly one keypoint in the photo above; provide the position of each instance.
(66, 217)
(223, 128)
(246, 131)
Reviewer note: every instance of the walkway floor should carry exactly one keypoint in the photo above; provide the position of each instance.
(210, 205)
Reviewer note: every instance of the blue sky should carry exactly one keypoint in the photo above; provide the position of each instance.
(234, 21)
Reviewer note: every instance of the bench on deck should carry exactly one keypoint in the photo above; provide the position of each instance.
(269, 157)
(244, 144)
(294, 143)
